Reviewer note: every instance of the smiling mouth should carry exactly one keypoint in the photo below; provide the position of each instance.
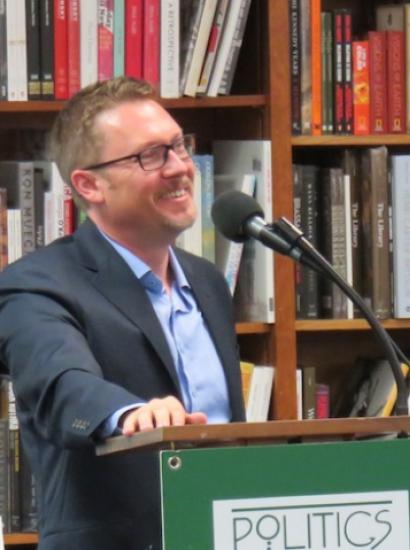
(175, 194)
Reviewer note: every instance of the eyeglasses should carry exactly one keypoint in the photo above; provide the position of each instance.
(155, 157)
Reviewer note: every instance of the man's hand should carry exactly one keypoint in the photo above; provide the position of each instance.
(159, 413)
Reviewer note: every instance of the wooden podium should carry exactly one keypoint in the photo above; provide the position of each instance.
(338, 484)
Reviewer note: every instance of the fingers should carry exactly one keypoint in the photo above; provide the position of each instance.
(159, 413)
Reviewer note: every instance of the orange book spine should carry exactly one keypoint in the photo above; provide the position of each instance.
(316, 66)
(361, 96)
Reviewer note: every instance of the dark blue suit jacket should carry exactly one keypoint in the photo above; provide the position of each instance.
(81, 339)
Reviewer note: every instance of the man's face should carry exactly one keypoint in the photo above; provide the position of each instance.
(158, 204)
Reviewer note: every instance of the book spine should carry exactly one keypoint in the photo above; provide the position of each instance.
(73, 39)
(28, 496)
(338, 72)
(295, 62)
(4, 474)
(232, 60)
(377, 76)
(151, 42)
(207, 189)
(396, 97)
(47, 49)
(329, 76)
(16, 50)
(14, 463)
(68, 210)
(316, 67)
(3, 229)
(406, 8)
(189, 42)
(119, 37)
(26, 204)
(33, 49)
(88, 42)
(297, 220)
(361, 94)
(61, 49)
(170, 39)
(133, 38)
(347, 72)
(39, 188)
(212, 47)
(308, 389)
(3, 51)
(322, 394)
(105, 39)
(306, 63)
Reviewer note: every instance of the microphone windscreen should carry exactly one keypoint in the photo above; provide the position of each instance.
(231, 210)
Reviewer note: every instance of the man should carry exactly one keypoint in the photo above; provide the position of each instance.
(112, 330)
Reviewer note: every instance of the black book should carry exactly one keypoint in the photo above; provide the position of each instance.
(33, 49)
(47, 49)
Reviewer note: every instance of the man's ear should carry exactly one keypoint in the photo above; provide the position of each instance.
(88, 186)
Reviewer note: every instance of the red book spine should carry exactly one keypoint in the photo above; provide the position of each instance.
(68, 210)
(396, 87)
(151, 47)
(105, 39)
(73, 13)
(133, 38)
(60, 49)
(347, 72)
(378, 88)
(322, 394)
(361, 97)
(338, 73)
(316, 67)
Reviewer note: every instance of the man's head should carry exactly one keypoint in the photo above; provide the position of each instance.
(127, 160)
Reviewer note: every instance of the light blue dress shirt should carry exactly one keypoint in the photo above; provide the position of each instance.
(200, 373)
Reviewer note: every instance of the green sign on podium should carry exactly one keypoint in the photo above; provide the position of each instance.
(312, 496)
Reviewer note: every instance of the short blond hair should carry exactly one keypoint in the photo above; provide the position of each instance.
(74, 141)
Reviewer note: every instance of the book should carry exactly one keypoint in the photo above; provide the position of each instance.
(396, 94)
(206, 167)
(16, 50)
(254, 297)
(375, 224)
(151, 42)
(309, 392)
(47, 49)
(377, 79)
(316, 66)
(170, 48)
(322, 396)
(14, 463)
(14, 246)
(212, 46)
(295, 64)
(347, 72)
(119, 37)
(377, 394)
(61, 49)
(3, 51)
(338, 88)
(400, 190)
(3, 229)
(28, 496)
(406, 29)
(53, 201)
(224, 47)
(260, 392)
(305, 208)
(105, 33)
(327, 72)
(33, 49)
(4, 474)
(390, 17)
(133, 38)
(88, 42)
(306, 68)
(18, 178)
(361, 88)
(199, 48)
(235, 47)
(73, 45)
(246, 376)
(228, 253)
(191, 14)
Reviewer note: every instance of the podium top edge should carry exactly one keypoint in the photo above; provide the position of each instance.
(244, 433)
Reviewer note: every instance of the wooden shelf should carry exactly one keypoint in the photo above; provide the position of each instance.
(253, 328)
(16, 539)
(347, 324)
(350, 141)
(255, 100)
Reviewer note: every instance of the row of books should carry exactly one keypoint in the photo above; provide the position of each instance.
(18, 495)
(362, 207)
(49, 49)
(346, 84)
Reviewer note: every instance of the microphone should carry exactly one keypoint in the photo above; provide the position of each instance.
(239, 216)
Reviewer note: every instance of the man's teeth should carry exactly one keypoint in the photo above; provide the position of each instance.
(176, 194)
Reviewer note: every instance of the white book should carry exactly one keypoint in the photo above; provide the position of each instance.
(16, 50)
(170, 37)
(88, 42)
(191, 239)
(14, 244)
(400, 191)
(198, 55)
(53, 201)
(254, 297)
(260, 392)
(228, 253)
(215, 38)
(1, 534)
(224, 47)
(299, 394)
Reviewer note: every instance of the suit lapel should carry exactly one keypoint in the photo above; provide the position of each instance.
(109, 273)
